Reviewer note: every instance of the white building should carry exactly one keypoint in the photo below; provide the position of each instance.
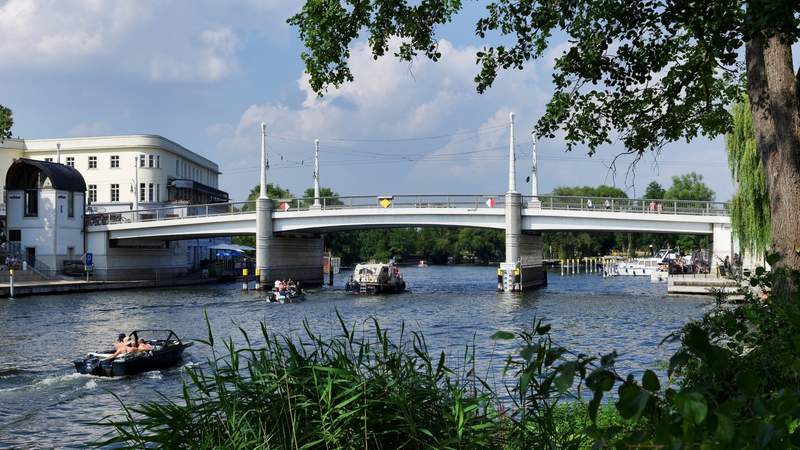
(126, 172)
(45, 213)
(121, 173)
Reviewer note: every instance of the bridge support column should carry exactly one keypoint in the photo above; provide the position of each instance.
(523, 268)
(721, 246)
(263, 239)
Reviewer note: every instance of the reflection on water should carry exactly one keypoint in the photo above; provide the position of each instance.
(44, 403)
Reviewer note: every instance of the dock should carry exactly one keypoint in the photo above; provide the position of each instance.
(48, 287)
(701, 284)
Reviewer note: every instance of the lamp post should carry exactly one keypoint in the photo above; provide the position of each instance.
(316, 175)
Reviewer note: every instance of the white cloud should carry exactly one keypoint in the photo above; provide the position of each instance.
(96, 128)
(50, 32)
(212, 58)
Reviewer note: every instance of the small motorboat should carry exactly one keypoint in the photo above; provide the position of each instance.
(422, 263)
(166, 350)
(286, 296)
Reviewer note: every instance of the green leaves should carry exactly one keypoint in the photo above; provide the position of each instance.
(6, 122)
(650, 381)
(691, 406)
(503, 335)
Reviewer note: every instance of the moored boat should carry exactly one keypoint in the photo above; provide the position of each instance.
(286, 296)
(166, 349)
(376, 278)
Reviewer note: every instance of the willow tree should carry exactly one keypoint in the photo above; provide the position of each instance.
(645, 72)
(750, 215)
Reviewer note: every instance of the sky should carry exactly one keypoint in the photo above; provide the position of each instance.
(206, 73)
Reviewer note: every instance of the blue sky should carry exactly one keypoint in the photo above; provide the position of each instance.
(205, 74)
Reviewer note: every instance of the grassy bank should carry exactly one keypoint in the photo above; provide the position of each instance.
(360, 389)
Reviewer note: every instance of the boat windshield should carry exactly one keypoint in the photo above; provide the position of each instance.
(165, 336)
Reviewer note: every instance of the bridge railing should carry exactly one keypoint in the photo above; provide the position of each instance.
(632, 205)
(644, 206)
(169, 213)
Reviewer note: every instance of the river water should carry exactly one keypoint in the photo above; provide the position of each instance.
(45, 404)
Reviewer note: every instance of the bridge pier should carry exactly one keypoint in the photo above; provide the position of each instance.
(263, 239)
(523, 268)
(721, 245)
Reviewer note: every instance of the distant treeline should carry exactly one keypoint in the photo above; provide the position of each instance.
(480, 246)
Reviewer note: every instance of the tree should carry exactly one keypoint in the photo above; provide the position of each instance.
(750, 217)
(328, 197)
(654, 191)
(689, 187)
(6, 122)
(651, 72)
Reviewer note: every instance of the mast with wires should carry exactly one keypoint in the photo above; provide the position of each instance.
(512, 182)
(316, 175)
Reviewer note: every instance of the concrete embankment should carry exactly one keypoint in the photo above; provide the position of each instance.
(47, 287)
(702, 284)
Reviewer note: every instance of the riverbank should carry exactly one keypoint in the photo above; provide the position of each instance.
(50, 287)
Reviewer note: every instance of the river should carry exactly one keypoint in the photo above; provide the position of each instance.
(45, 404)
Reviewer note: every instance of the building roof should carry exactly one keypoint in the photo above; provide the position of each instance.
(137, 142)
(24, 174)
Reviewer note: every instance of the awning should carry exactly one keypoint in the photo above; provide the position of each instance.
(232, 247)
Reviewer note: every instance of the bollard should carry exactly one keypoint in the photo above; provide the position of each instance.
(245, 283)
(561, 266)
(11, 283)
(257, 284)
(500, 280)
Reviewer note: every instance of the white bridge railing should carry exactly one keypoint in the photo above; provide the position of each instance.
(588, 204)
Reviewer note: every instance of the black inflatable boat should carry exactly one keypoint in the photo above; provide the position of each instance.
(166, 351)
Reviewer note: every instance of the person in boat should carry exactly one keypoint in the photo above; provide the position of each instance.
(121, 342)
(144, 346)
(129, 346)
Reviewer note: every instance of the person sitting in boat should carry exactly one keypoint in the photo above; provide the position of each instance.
(121, 342)
(279, 285)
(128, 346)
(144, 346)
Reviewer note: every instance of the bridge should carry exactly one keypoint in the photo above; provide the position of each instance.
(288, 231)
(552, 213)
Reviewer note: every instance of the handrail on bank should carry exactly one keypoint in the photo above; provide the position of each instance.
(551, 202)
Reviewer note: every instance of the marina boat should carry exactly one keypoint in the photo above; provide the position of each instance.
(422, 263)
(167, 350)
(376, 278)
(642, 266)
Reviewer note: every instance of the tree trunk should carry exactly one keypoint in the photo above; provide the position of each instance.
(775, 107)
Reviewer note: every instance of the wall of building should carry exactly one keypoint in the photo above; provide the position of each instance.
(53, 234)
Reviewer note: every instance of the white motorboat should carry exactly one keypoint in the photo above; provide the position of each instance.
(642, 266)
(376, 278)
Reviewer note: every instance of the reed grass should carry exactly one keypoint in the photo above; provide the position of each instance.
(355, 390)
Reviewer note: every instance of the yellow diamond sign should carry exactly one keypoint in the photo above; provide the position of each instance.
(385, 202)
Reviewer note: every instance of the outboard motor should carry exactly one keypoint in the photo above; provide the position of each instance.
(88, 366)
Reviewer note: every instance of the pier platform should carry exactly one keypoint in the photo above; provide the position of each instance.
(701, 284)
(48, 287)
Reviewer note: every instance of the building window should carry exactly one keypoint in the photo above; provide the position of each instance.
(48, 159)
(92, 193)
(151, 161)
(115, 192)
(15, 235)
(141, 191)
(93, 162)
(31, 203)
(71, 205)
(142, 160)
(158, 161)
(150, 192)
(158, 192)
(177, 168)
(114, 161)
(71, 161)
